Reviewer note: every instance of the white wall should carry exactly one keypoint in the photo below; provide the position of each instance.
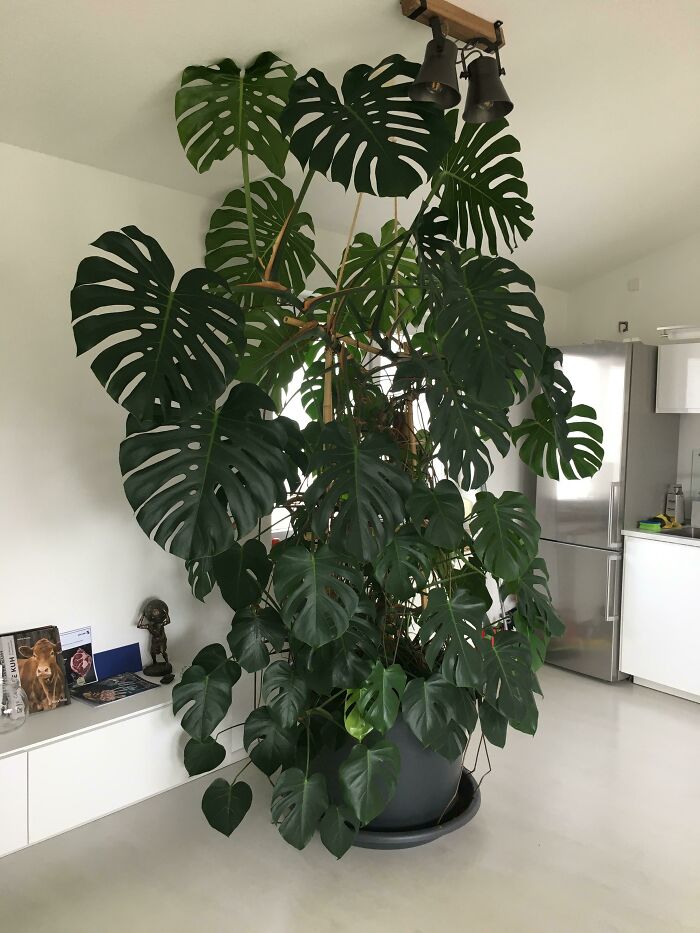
(71, 553)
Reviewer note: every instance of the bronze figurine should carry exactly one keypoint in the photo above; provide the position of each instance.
(154, 617)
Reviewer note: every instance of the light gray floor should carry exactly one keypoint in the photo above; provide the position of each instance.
(593, 825)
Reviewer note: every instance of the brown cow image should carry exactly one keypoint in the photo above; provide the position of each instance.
(42, 675)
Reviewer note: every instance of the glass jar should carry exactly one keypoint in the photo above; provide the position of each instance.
(13, 704)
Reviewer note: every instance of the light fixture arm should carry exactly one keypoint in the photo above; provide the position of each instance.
(480, 45)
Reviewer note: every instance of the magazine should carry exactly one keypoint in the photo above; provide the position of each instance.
(33, 658)
(78, 656)
(112, 688)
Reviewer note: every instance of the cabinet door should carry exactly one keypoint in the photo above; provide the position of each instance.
(13, 803)
(678, 380)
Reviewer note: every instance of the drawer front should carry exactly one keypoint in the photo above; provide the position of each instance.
(13, 803)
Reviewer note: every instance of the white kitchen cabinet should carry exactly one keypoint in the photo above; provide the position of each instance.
(660, 637)
(678, 379)
(13, 803)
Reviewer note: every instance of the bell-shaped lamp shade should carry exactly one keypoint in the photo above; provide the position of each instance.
(437, 79)
(486, 97)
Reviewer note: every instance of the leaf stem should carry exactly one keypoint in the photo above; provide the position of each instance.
(252, 235)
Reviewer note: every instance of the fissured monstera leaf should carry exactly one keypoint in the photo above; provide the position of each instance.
(379, 697)
(164, 352)
(431, 707)
(360, 489)
(207, 685)
(370, 135)
(439, 513)
(490, 327)
(269, 745)
(223, 107)
(228, 241)
(404, 564)
(200, 576)
(285, 692)
(535, 617)
(242, 573)
(196, 487)
(508, 674)
(482, 191)
(505, 533)
(252, 631)
(298, 803)
(568, 445)
(450, 627)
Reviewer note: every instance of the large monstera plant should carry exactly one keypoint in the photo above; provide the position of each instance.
(385, 598)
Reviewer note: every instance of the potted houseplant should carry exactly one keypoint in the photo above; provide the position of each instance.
(372, 624)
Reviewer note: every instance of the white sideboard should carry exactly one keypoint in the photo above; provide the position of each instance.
(73, 765)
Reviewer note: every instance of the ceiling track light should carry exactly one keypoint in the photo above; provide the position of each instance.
(437, 79)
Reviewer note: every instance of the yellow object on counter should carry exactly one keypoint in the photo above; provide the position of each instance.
(667, 522)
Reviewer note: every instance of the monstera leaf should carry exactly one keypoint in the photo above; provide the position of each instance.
(373, 136)
(207, 685)
(494, 725)
(196, 487)
(505, 533)
(363, 482)
(242, 573)
(269, 745)
(318, 592)
(490, 327)
(534, 617)
(200, 576)
(163, 352)
(450, 627)
(224, 805)
(430, 707)
(228, 242)
(200, 757)
(252, 630)
(482, 191)
(338, 829)
(298, 803)
(224, 107)
(568, 445)
(380, 696)
(368, 778)
(285, 692)
(507, 674)
(439, 513)
(404, 564)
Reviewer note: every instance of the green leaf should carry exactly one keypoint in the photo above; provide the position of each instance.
(251, 632)
(242, 573)
(163, 352)
(208, 688)
(450, 629)
(318, 593)
(535, 617)
(224, 107)
(228, 239)
(560, 445)
(404, 564)
(505, 533)
(360, 489)
(186, 482)
(338, 830)
(494, 725)
(347, 661)
(368, 778)
(298, 803)
(481, 188)
(355, 723)
(439, 513)
(508, 674)
(374, 136)
(380, 696)
(285, 692)
(490, 328)
(431, 708)
(225, 805)
(201, 757)
(269, 745)
(200, 576)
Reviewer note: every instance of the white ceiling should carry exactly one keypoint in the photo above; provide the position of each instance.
(605, 93)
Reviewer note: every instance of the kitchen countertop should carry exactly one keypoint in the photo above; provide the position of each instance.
(660, 536)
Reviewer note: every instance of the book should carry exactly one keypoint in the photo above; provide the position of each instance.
(33, 658)
(78, 656)
(112, 688)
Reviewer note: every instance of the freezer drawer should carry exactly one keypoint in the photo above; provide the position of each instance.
(585, 584)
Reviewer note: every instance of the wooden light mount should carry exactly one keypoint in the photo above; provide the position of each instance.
(457, 22)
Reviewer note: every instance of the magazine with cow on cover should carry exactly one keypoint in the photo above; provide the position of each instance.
(35, 655)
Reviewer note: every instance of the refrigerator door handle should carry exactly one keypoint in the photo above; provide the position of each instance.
(614, 536)
(612, 607)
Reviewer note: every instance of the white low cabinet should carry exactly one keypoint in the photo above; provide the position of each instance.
(660, 636)
(13, 803)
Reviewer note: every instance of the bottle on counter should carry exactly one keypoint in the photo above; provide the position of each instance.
(675, 503)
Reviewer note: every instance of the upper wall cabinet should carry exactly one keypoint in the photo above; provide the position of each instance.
(678, 381)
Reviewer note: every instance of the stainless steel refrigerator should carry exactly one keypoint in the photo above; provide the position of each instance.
(582, 520)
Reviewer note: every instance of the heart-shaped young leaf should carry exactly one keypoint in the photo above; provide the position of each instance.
(200, 576)
(508, 674)
(201, 757)
(490, 327)
(225, 805)
(368, 778)
(373, 136)
(505, 533)
(196, 487)
(228, 242)
(355, 723)
(163, 352)
(285, 692)
(379, 697)
(439, 513)
(251, 632)
(298, 803)
(557, 445)
(404, 564)
(534, 617)
(338, 829)
(481, 188)
(450, 628)
(318, 592)
(429, 708)
(269, 745)
(224, 107)
(242, 573)
(494, 725)
(208, 689)
(360, 490)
